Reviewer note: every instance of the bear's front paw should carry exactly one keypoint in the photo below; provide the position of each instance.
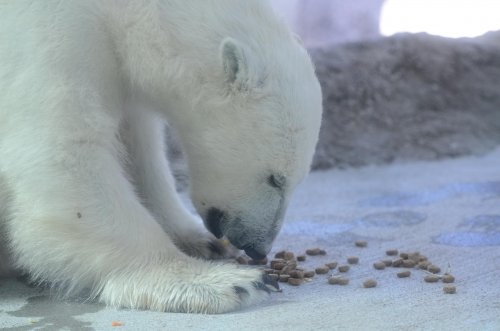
(204, 245)
(196, 287)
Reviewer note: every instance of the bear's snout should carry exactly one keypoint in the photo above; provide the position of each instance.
(254, 254)
(220, 224)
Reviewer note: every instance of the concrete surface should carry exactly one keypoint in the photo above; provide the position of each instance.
(448, 210)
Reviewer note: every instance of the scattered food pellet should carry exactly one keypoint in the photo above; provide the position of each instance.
(115, 323)
(434, 269)
(387, 263)
(331, 265)
(450, 289)
(289, 266)
(283, 278)
(295, 281)
(322, 252)
(241, 260)
(404, 256)
(392, 252)
(301, 258)
(313, 251)
(431, 278)
(269, 271)
(415, 256)
(397, 263)
(296, 274)
(369, 283)
(338, 281)
(344, 268)
(280, 255)
(277, 263)
(352, 260)
(404, 274)
(309, 274)
(379, 265)
(361, 243)
(288, 256)
(424, 264)
(322, 270)
(447, 278)
(409, 263)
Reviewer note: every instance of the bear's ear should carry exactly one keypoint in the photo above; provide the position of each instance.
(234, 63)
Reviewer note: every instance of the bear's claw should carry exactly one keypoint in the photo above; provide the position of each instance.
(267, 284)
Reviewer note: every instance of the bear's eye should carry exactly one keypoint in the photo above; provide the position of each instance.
(276, 181)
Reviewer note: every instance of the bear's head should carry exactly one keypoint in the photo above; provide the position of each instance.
(252, 141)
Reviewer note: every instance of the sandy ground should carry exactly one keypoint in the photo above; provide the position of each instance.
(448, 210)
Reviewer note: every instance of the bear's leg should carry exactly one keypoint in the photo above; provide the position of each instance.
(76, 222)
(144, 137)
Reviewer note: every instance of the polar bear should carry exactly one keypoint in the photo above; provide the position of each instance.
(87, 197)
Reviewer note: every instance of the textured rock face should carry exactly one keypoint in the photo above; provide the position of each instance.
(408, 97)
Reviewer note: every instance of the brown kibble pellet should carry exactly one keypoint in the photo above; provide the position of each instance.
(283, 278)
(360, 243)
(353, 260)
(423, 265)
(369, 283)
(279, 262)
(313, 251)
(450, 289)
(301, 258)
(404, 274)
(288, 256)
(343, 281)
(280, 255)
(296, 274)
(397, 263)
(322, 252)
(331, 265)
(333, 280)
(289, 266)
(404, 256)
(279, 266)
(241, 260)
(392, 252)
(309, 274)
(269, 271)
(447, 278)
(431, 278)
(415, 256)
(434, 269)
(295, 281)
(379, 265)
(274, 276)
(338, 281)
(344, 268)
(387, 263)
(322, 270)
(409, 263)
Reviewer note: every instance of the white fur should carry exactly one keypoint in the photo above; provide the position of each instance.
(86, 196)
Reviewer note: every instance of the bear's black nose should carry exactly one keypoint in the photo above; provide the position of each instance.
(254, 254)
(213, 221)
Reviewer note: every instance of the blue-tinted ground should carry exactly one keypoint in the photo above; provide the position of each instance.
(446, 210)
